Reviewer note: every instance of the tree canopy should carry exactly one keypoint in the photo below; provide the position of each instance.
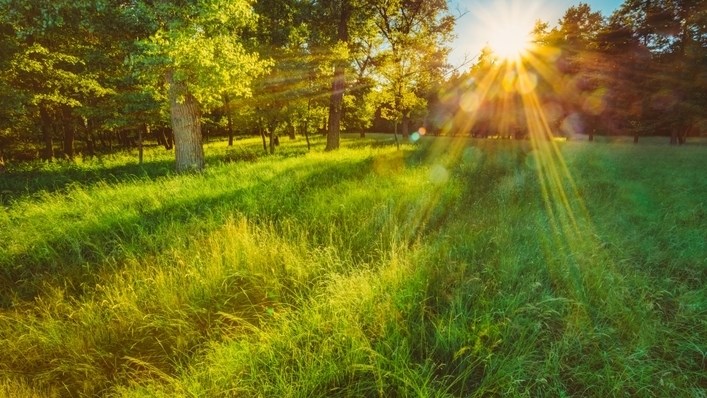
(94, 76)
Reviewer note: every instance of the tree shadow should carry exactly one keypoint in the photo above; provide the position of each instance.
(359, 143)
(32, 179)
(77, 257)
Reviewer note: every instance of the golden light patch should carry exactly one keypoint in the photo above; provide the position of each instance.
(510, 40)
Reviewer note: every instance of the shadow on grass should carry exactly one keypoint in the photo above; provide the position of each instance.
(359, 143)
(39, 177)
(77, 258)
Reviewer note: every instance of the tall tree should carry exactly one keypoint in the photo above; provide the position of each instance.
(195, 47)
(672, 35)
(49, 65)
(280, 36)
(13, 100)
(341, 31)
(582, 63)
(338, 85)
(415, 34)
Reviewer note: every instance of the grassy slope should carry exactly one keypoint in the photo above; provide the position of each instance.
(432, 271)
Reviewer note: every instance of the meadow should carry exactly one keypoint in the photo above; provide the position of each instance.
(448, 268)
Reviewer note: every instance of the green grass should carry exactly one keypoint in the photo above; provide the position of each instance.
(448, 268)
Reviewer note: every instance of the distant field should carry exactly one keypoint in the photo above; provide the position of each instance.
(453, 267)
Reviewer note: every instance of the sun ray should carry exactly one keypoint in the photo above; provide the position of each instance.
(506, 89)
(518, 102)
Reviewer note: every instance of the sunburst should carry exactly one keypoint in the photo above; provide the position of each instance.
(507, 29)
(509, 41)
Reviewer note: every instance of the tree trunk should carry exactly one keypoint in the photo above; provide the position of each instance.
(635, 138)
(262, 135)
(139, 141)
(405, 125)
(230, 128)
(337, 97)
(46, 121)
(185, 115)
(229, 119)
(363, 134)
(271, 136)
(168, 138)
(69, 134)
(395, 134)
(682, 137)
(325, 126)
(160, 137)
(124, 140)
(339, 84)
(90, 139)
(306, 134)
(104, 142)
(291, 131)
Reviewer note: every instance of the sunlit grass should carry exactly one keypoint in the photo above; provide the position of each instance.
(454, 267)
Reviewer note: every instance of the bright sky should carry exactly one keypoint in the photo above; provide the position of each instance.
(485, 19)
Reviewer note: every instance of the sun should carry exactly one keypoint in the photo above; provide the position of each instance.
(506, 27)
(509, 41)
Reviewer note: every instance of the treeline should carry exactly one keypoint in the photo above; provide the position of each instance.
(640, 72)
(90, 76)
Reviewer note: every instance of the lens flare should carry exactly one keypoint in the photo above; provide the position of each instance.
(439, 174)
(470, 102)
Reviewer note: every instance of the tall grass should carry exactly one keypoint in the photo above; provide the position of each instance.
(450, 268)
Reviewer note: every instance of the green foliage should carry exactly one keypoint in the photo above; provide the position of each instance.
(450, 268)
(51, 77)
(415, 35)
(200, 45)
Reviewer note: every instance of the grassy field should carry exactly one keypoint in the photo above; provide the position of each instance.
(447, 268)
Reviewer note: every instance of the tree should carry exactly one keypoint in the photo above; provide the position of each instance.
(578, 33)
(13, 101)
(359, 104)
(415, 35)
(52, 40)
(580, 27)
(196, 48)
(280, 36)
(671, 36)
(688, 62)
(338, 29)
(338, 84)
